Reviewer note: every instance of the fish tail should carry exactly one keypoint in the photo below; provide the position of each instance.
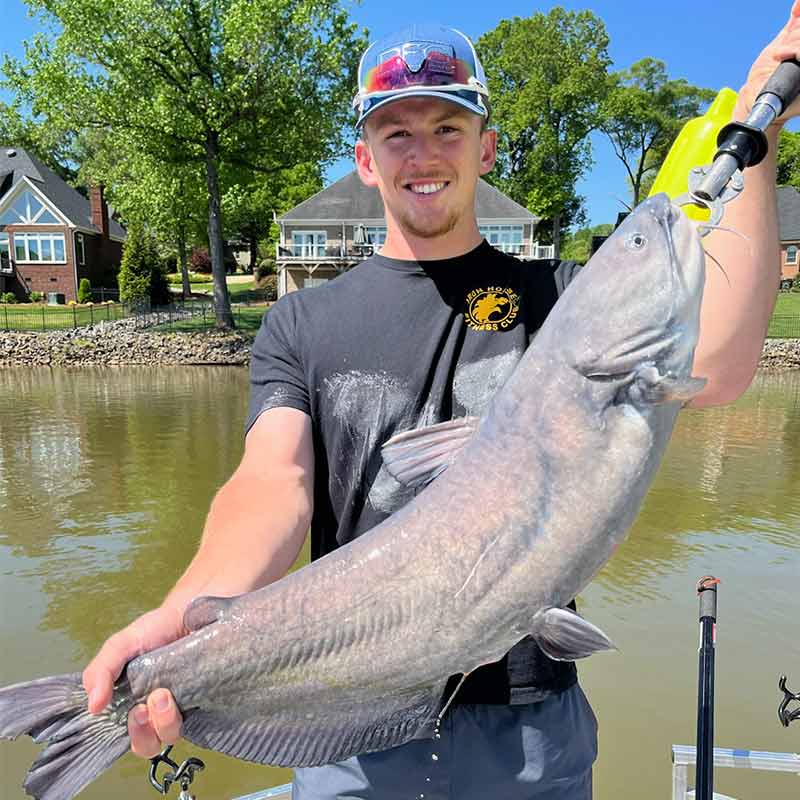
(80, 745)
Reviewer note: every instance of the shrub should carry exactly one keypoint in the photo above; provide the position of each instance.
(84, 290)
(36, 297)
(266, 267)
(270, 287)
(200, 260)
(8, 297)
(134, 273)
(170, 264)
(796, 283)
(160, 294)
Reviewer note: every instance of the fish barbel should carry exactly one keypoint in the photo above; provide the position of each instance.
(351, 654)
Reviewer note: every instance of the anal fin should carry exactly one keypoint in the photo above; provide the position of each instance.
(308, 737)
(565, 635)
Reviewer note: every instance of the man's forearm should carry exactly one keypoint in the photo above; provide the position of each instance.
(741, 285)
(253, 533)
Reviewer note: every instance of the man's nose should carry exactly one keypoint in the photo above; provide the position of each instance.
(425, 150)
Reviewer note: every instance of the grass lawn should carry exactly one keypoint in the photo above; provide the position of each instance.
(40, 317)
(247, 318)
(239, 292)
(785, 322)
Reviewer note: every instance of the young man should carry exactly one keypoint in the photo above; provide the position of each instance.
(402, 341)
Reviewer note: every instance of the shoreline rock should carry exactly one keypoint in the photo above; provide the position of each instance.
(125, 342)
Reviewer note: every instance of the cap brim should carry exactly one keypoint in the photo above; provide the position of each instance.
(439, 95)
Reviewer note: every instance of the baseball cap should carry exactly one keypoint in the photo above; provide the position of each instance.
(421, 61)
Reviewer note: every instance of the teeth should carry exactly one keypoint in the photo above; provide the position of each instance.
(426, 188)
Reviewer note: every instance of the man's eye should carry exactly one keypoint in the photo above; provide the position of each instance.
(397, 134)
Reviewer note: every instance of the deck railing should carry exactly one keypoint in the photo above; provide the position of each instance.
(335, 252)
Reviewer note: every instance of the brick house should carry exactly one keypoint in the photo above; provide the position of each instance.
(343, 224)
(789, 231)
(51, 236)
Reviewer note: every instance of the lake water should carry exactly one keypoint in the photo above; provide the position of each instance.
(106, 476)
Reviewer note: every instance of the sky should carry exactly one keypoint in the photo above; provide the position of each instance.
(710, 44)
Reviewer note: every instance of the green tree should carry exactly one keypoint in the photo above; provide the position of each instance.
(137, 261)
(789, 159)
(250, 202)
(577, 245)
(259, 84)
(547, 78)
(643, 113)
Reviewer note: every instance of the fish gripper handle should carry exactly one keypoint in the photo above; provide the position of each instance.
(784, 715)
(183, 774)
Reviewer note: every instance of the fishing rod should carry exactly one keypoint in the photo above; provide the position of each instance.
(704, 775)
(742, 144)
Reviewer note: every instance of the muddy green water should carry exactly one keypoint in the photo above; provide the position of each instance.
(106, 476)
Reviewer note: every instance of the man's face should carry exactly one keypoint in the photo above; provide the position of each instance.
(425, 156)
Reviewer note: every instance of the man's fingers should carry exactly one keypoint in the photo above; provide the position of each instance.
(144, 741)
(164, 716)
(105, 668)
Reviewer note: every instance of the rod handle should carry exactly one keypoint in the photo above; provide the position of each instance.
(784, 82)
(707, 590)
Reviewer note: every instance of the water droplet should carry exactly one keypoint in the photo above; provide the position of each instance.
(427, 780)
(437, 735)
(435, 757)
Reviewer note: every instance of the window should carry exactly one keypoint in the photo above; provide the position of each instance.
(377, 236)
(29, 247)
(80, 250)
(791, 255)
(27, 209)
(5, 253)
(507, 238)
(309, 244)
(308, 283)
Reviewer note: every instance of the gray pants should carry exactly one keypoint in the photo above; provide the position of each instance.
(542, 750)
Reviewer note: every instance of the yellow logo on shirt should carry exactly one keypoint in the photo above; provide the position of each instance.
(491, 309)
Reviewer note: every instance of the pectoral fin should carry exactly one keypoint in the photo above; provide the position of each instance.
(203, 611)
(415, 458)
(656, 388)
(564, 635)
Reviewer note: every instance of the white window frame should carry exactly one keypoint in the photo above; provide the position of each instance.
(5, 245)
(377, 235)
(512, 234)
(309, 249)
(28, 219)
(24, 238)
(80, 249)
(791, 254)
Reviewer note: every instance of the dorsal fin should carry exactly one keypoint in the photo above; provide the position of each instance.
(414, 458)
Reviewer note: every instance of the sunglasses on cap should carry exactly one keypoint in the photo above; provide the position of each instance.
(417, 65)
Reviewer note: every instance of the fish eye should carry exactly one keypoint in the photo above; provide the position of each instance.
(636, 241)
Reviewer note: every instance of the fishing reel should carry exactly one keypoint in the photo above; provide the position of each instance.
(784, 714)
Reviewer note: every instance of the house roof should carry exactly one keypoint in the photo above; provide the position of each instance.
(788, 213)
(70, 202)
(348, 199)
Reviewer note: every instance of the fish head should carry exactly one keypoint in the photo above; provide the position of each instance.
(634, 309)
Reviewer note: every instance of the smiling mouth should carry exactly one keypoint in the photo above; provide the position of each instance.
(431, 187)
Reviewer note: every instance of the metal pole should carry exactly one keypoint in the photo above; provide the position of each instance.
(704, 776)
(44, 327)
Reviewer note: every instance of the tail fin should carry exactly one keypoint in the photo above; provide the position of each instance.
(79, 745)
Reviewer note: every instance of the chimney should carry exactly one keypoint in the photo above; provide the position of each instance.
(99, 208)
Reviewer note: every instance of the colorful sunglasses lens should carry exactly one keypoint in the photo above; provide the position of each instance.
(438, 70)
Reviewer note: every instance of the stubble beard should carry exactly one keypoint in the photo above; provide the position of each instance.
(429, 229)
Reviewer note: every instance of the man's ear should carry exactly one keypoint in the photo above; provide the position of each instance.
(365, 164)
(488, 150)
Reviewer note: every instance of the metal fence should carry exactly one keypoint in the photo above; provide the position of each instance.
(40, 317)
(784, 326)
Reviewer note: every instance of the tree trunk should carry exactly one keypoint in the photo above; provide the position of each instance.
(222, 302)
(253, 253)
(557, 235)
(183, 261)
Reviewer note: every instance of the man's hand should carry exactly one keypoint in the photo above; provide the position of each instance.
(784, 46)
(158, 723)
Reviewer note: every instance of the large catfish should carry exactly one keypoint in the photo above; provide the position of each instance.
(517, 512)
